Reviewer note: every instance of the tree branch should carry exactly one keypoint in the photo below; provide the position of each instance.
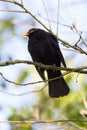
(24, 93)
(46, 121)
(65, 43)
(82, 70)
(27, 11)
(31, 122)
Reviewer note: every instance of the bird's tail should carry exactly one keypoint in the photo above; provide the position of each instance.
(57, 86)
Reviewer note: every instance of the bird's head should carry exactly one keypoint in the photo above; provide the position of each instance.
(30, 32)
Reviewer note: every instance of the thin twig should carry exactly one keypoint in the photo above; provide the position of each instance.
(31, 83)
(18, 11)
(55, 22)
(14, 11)
(65, 43)
(78, 41)
(80, 34)
(25, 84)
(22, 2)
(58, 13)
(24, 93)
(29, 12)
(45, 8)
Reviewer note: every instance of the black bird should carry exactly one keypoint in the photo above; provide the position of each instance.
(43, 47)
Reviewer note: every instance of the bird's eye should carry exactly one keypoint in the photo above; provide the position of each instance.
(32, 30)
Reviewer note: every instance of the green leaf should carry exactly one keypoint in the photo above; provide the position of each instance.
(1, 41)
(22, 76)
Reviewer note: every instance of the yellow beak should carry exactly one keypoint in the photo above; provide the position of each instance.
(25, 35)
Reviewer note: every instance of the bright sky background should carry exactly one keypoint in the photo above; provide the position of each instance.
(71, 12)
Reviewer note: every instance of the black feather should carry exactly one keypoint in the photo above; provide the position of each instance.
(43, 47)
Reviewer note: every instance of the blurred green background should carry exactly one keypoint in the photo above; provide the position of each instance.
(39, 106)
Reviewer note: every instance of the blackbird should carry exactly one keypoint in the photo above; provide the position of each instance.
(43, 47)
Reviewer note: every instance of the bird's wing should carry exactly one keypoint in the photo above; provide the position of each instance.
(36, 53)
(41, 72)
(55, 46)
